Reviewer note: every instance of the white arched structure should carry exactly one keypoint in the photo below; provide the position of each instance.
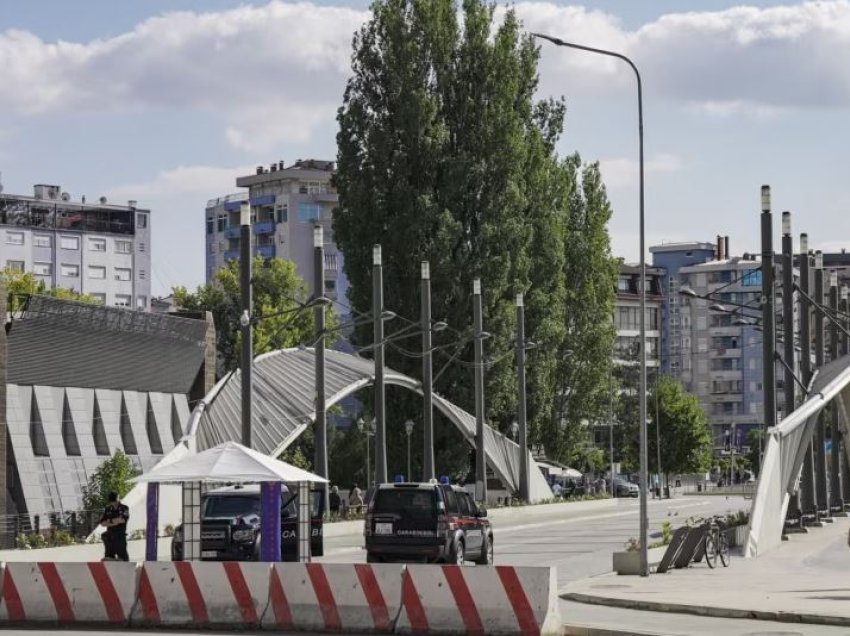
(785, 450)
(283, 407)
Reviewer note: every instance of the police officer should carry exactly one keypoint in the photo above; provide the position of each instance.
(114, 519)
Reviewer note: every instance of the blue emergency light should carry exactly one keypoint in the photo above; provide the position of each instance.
(444, 480)
(399, 479)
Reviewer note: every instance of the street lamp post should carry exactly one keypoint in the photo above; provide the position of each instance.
(368, 429)
(767, 315)
(644, 519)
(245, 321)
(321, 425)
(378, 329)
(521, 414)
(408, 427)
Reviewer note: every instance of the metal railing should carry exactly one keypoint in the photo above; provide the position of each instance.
(56, 528)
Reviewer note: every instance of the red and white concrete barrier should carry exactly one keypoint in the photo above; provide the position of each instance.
(334, 597)
(67, 593)
(452, 599)
(202, 594)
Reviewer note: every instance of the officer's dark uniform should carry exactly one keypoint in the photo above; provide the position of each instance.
(115, 537)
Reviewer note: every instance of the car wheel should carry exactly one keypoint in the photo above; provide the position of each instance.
(486, 557)
(458, 555)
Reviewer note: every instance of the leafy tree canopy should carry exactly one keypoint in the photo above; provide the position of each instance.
(113, 475)
(444, 155)
(20, 285)
(277, 292)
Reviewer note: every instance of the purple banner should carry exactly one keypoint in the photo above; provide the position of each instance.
(270, 521)
(152, 527)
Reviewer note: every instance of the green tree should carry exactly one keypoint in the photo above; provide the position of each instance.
(113, 475)
(276, 288)
(445, 156)
(755, 439)
(20, 285)
(686, 443)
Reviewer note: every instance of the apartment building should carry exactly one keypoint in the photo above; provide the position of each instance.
(627, 313)
(286, 203)
(101, 249)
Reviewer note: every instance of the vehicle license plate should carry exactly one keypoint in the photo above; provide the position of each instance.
(383, 528)
(208, 554)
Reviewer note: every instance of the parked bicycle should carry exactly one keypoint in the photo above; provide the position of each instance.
(716, 543)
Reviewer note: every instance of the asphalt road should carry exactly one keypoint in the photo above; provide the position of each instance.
(578, 545)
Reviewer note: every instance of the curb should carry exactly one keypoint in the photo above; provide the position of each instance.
(704, 610)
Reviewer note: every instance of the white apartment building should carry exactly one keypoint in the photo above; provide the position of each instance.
(100, 249)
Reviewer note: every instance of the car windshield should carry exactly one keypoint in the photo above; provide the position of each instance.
(406, 503)
(231, 506)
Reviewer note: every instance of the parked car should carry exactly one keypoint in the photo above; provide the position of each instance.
(426, 522)
(623, 488)
(230, 526)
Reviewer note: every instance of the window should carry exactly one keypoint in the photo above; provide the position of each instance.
(15, 238)
(98, 431)
(142, 303)
(97, 244)
(97, 272)
(210, 225)
(70, 271)
(330, 261)
(141, 247)
(128, 440)
(69, 242)
(100, 298)
(141, 274)
(122, 300)
(123, 247)
(141, 221)
(42, 240)
(283, 213)
(330, 285)
(15, 266)
(42, 269)
(221, 222)
(308, 212)
(122, 273)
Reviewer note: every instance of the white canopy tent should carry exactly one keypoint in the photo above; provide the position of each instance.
(229, 462)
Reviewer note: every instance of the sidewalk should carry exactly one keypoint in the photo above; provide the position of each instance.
(803, 581)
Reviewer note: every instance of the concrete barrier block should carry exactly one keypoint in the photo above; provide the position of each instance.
(202, 594)
(68, 593)
(334, 597)
(451, 599)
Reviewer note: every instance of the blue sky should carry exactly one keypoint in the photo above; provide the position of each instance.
(166, 101)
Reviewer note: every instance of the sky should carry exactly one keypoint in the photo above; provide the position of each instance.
(167, 101)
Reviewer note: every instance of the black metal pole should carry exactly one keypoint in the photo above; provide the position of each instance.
(378, 332)
(767, 313)
(644, 517)
(480, 458)
(820, 435)
(794, 511)
(428, 467)
(844, 350)
(808, 492)
(836, 495)
(524, 492)
(246, 319)
(321, 425)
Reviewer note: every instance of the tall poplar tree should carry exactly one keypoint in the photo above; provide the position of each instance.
(445, 155)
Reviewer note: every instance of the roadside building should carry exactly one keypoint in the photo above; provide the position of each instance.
(99, 249)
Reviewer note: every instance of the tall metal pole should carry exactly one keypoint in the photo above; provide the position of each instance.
(788, 329)
(378, 324)
(247, 331)
(321, 426)
(767, 313)
(480, 458)
(611, 428)
(658, 433)
(808, 493)
(644, 518)
(820, 435)
(520, 414)
(428, 467)
(836, 494)
(845, 465)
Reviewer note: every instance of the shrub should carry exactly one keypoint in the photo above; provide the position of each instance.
(37, 541)
(136, 534)
(62, 537)
(632, 545)
(22, 542)
(169, 530)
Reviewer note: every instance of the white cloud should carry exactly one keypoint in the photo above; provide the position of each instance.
(275, 73)
(620, 172)
(194, 180)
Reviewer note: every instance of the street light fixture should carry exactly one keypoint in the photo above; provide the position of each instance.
(514, 429)
(644, 517)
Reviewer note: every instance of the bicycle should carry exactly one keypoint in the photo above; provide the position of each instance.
(716, 544)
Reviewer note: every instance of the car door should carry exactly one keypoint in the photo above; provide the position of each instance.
(470, 523)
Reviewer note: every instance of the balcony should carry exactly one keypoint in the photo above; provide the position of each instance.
(231, 255)
(233, 206)
(265, 199)
(324, 197)
(266, 251)
(266, 227)
(233, 232)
